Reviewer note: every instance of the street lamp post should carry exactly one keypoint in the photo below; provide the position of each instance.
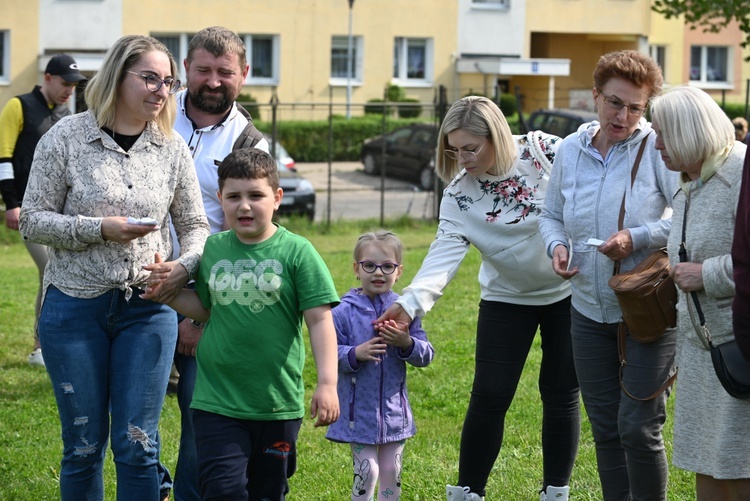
(349, 67)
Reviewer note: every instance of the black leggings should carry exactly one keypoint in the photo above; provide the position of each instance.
(504, 336)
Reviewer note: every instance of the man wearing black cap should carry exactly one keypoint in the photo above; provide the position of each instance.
(23, 121)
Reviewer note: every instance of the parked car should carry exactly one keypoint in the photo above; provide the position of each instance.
(409, 154)
(279, 152)
(559, 122)
(299, 194)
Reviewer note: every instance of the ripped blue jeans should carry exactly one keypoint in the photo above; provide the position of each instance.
(108, 359)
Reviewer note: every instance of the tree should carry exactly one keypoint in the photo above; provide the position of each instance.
(712, 15)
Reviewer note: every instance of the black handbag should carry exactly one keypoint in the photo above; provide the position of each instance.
(730, 366)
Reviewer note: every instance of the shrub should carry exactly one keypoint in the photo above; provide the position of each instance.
(394, 93)
(248, 102)
(371, 108)
(307, 141)
(411, 111)
(508, 104)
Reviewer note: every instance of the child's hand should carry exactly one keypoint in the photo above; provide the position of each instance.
(374, 349)
(325, 405)
(395, 334)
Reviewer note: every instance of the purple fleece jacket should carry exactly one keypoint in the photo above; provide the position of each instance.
(373, 397)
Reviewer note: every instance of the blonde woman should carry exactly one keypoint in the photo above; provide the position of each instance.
(498, 184)
(108, 352)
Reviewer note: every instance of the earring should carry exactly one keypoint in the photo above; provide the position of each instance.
(357, 277)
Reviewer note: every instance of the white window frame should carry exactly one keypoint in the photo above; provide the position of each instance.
(703, 82)
(5, 61)
(275, 59)
(490, 4)
(357, 65)
(183, 42)
(401, 51)
(659, 54)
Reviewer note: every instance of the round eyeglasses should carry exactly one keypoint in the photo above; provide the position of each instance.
(467, 156)
(615, 104)
(154, 83)
(387, 268)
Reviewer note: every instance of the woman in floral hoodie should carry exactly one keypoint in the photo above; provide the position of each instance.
(375, 415)
(498, 184)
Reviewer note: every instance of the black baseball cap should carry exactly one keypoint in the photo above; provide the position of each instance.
(66, 67)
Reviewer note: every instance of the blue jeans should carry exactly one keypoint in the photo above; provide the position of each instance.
(505, 333)
(630, 451)
(108, 359)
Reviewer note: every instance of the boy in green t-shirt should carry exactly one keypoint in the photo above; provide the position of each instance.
(256, 283)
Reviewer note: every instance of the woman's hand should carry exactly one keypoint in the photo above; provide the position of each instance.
(394, 312)
(560, 262)
(618, 246)
(688, 277)
(117, 229)
(166, 280)
(371, 350)
(394, 334)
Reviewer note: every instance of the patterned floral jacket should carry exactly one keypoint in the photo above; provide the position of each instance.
(80, 176)
(498, 215)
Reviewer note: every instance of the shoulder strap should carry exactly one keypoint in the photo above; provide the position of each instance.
(633, 172)
(622, 332)
(250, 135)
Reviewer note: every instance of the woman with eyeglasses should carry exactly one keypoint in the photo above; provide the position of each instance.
(102, 189)
(497, 184)
(589, 185)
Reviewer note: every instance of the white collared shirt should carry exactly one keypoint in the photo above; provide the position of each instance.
(208, 146)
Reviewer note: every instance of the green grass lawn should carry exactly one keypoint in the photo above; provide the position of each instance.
(30, 444)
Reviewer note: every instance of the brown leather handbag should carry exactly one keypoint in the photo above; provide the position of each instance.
(647, 297)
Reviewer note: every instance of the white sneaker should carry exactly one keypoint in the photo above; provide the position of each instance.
(458, 493)
(555, 493)
(35, 358)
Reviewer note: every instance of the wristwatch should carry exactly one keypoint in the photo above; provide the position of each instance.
(196, 323)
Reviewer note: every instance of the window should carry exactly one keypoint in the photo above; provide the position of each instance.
(263, 58)
(412, 61)
(710, 65)
(177, 43)
(659, 54)
(505, 4)
(4, 56)
(339, 66)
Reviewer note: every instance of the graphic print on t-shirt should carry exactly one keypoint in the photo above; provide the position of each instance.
(246, 282)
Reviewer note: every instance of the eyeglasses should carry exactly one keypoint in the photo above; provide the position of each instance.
(615, 104)
(387, 268)
(469, 156)
(154, 83)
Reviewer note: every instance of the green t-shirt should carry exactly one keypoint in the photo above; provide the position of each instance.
(251, 354)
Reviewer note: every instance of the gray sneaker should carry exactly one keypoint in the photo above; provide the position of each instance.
(35, 358)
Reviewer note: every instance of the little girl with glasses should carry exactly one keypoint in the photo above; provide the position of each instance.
(375, 416)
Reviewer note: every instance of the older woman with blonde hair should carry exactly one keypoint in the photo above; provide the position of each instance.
(696, 139)
(497, 185)
(103, 187)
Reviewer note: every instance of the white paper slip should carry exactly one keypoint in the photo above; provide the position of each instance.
(594, 241)
(146, 221)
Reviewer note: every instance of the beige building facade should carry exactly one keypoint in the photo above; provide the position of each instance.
(543, 50)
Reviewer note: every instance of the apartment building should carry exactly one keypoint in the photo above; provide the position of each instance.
(543, 50)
